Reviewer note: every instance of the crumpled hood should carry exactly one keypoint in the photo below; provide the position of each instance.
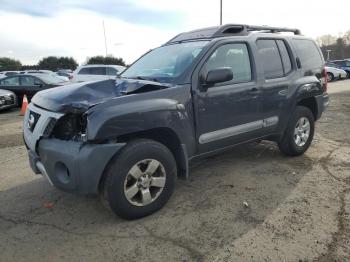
(81, 96)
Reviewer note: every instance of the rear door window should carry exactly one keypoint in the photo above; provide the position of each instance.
(270, 57)
(286, 61)
(307, 51)
(97, 70)
(27, 80)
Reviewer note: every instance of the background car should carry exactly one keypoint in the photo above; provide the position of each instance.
(65, 74)
(335, 73)
(343, 64)
(9, 73)
(64, 78)
(29, 84)
(8, 99)
(96, 72)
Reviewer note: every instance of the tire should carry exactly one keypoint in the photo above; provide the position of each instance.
(137, 158)
(289, 143)
(330, 77)
(347, 74)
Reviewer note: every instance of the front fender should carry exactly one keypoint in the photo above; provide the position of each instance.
(141, 112)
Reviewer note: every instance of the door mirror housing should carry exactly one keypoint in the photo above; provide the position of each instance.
(218, 75)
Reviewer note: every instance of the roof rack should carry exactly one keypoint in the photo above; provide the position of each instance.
(229, 29)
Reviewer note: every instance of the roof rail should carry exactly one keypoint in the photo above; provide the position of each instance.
(271, 29)
(229, 29)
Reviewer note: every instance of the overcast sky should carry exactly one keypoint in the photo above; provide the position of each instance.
(34, 29)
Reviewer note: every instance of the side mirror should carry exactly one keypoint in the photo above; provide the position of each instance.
(218, 75)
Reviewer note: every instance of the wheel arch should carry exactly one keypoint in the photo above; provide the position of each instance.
(165, 136)
(310, 103)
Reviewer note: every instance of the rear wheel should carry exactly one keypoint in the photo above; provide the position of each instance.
(299, 132)
(140, 179)
(330, 77)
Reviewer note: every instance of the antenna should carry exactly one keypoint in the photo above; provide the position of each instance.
(104, 33)
(220, 12)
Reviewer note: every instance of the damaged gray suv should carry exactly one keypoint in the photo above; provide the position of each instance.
(200, 93)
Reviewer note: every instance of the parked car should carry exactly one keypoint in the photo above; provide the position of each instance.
(69, 76)
(344, 64)
(8, 99)
(96, 72)
(29, 84)
(334, 72)
(9, 73)
(214, 88)
(64, 78)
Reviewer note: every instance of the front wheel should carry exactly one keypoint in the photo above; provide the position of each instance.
(299, 132)
(140, 180)
(330, 77)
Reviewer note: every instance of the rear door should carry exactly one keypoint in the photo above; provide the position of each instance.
(31, 85)
(227, 113)
(275, 60)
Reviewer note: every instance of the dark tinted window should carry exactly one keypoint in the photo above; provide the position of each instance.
(84, 71)
(97, 70)
(287, 64)
(111, 71)
(10, 81)
(235, 56)
(27, 80)
(308, 54)
(270, 57)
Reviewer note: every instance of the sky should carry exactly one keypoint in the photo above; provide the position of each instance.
(31, 30)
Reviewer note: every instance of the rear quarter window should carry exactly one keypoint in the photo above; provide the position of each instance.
(308, 53)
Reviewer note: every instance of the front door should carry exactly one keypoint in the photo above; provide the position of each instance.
(228, 113)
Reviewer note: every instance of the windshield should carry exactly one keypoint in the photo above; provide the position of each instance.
(166, 62)
(50, 79)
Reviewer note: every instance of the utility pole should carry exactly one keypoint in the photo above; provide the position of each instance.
(220, 12)
(328, 51)
(104, 33)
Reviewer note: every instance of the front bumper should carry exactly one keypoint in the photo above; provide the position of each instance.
(7, 102)
(72, 166)
(322, 102)
(68, 165)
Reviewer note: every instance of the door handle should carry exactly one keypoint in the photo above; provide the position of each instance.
(254, 91)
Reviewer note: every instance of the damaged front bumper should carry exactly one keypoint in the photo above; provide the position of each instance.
(72, 166)
(68, 165)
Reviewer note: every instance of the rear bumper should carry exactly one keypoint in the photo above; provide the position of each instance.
(322, 103)
(72, 166)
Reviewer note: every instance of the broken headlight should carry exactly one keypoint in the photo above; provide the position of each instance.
(71, 127)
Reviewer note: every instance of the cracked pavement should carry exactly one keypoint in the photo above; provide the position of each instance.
(298, 208)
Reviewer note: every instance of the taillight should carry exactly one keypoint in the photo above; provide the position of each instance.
(324, 80)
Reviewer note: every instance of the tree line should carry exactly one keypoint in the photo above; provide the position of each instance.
(335, 47)
(55, 63)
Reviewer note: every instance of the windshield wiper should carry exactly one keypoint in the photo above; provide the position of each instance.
(145, 78)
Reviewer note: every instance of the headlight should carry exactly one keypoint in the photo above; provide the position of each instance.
(71, 127)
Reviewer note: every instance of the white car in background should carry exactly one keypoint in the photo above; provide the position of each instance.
(96, 72)
(335, 73)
